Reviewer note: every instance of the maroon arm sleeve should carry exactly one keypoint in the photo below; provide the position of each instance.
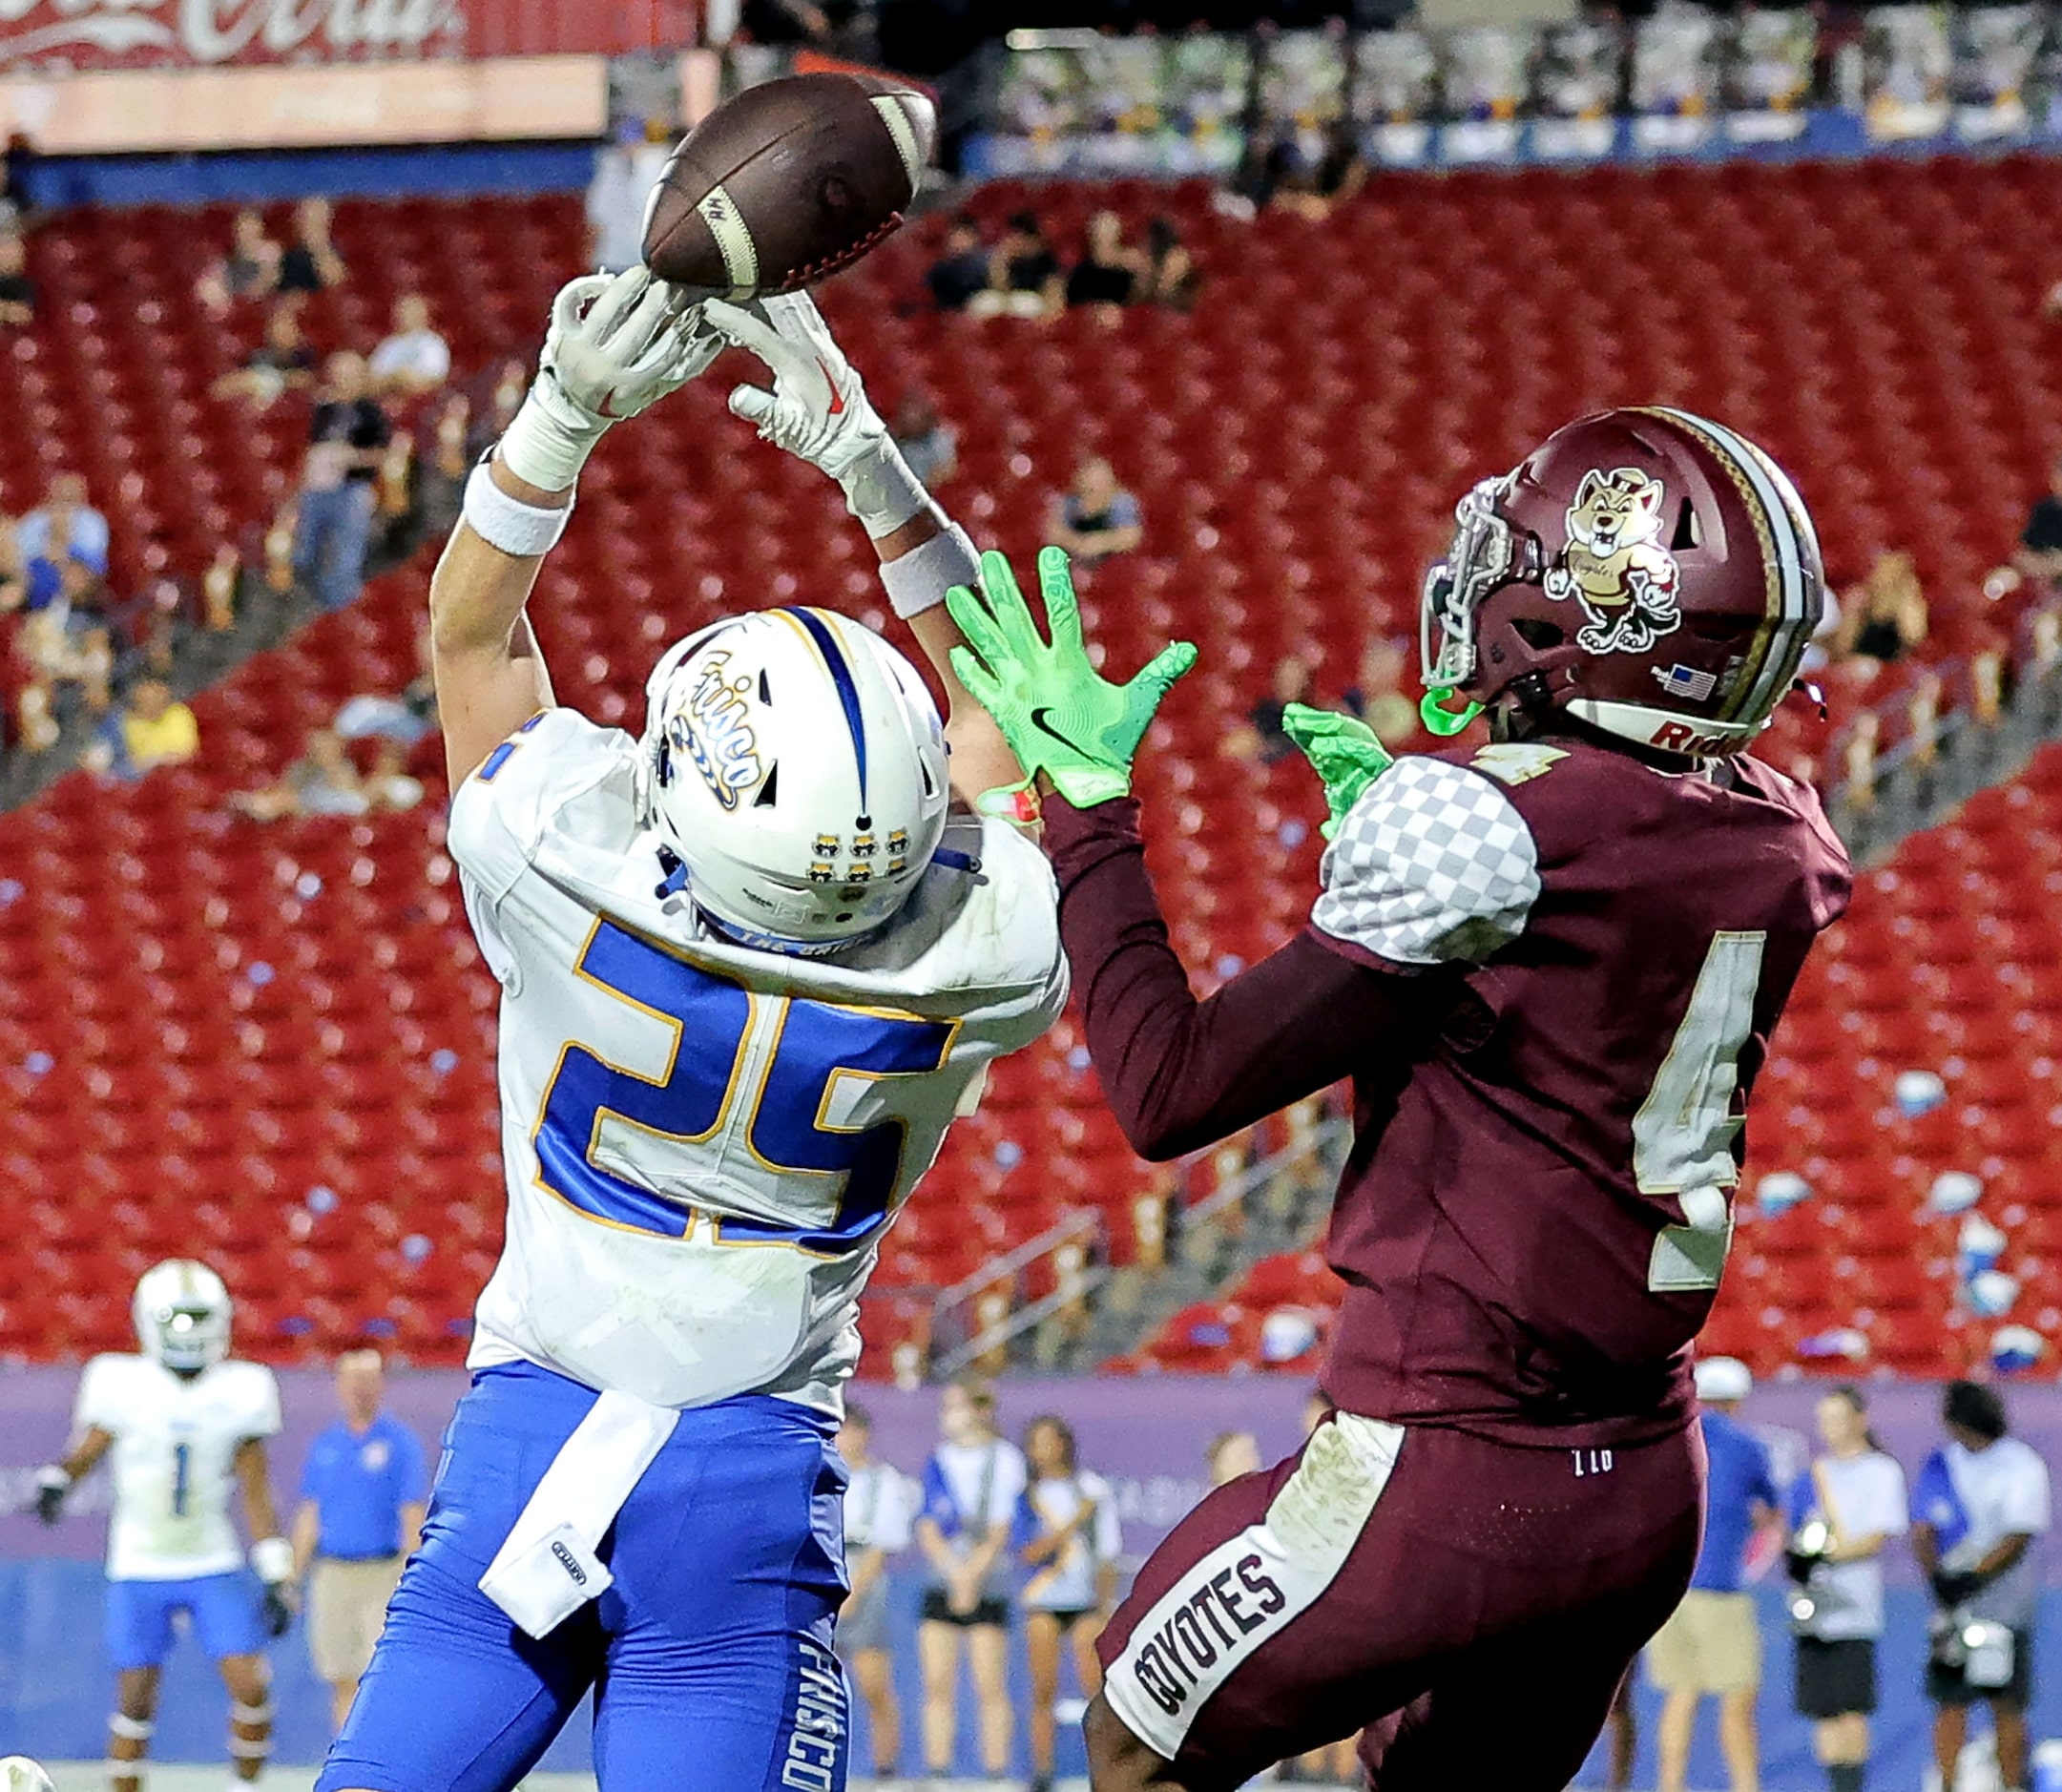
(1179, 1074)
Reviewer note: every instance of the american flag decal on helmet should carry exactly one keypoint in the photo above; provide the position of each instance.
(1686, 682)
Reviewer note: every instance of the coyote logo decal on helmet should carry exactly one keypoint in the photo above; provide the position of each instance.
(1615, 567)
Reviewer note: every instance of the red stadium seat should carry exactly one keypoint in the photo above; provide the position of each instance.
(1297, 443)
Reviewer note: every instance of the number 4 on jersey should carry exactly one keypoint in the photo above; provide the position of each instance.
(1684, 1134)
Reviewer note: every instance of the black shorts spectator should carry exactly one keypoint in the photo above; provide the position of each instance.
(1835, 1677)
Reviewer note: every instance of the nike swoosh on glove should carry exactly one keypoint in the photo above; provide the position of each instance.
(818, 409)
(1059, 714)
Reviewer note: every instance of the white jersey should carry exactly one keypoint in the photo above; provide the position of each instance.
(704, 1143)
(174, 1460)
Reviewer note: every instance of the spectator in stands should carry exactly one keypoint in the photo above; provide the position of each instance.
(1261, 736)
(1887, 617)
(364, 1491)
(1842, 1513)
(1230, 1455)
(83, 600)
(404, 720)
(2040, 543)
(282, 363)
(928, 443)
(1109, 273)
(322, 781)
(249, 270)
(149, 729)
(625, 173)
(881, 1505)
(18, 209)
(972, 1486)
(17, 291)
(1307, 170)
(154, 653)
(1978, 1513)
(414, 358)
(14, 570)
(389, 788)
(1069, 1541)
(347, 438)
(64, 526)
(1171, 278)
(311, 260)
(325, 782)
(63, 669)
(1024, 278)
(1098, 518)
(961, 273)
(1712, 1646)
(220, 589)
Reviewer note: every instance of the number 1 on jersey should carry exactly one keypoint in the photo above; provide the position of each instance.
(182, 1478)
(1684, 1134)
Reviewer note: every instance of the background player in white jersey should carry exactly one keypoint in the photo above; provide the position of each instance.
(751, 967)
(184, 1429)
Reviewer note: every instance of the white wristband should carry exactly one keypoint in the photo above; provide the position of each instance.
(920, 579)
(53, 1478)
(549, 439)
(508, 523)
(272, 1560)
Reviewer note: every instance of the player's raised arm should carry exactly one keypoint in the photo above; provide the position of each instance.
(1179, 1073)
(818, 410)
(615, 347)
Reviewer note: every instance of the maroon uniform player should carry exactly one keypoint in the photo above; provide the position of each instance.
(1551, 965)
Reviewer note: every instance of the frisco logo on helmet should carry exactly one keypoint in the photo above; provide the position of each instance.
(1615, 568)
(715, 732)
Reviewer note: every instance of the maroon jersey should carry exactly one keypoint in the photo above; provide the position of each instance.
(1552, 971)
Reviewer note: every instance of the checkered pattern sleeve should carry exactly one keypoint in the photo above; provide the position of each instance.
(1433, 866)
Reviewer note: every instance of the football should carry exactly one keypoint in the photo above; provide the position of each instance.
(787, 183)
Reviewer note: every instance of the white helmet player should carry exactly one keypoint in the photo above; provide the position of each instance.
(797, 771)
(183, 1313)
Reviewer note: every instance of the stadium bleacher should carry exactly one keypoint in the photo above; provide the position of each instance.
(275, 1046)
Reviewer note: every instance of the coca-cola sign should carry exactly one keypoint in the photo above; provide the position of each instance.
(211, 33)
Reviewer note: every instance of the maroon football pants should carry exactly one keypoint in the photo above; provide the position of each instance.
(1471, 1607)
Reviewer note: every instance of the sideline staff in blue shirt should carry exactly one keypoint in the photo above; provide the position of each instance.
(362, 1503)
(1713, 1644)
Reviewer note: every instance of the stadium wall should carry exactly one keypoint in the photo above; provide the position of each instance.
(282, 174)
(1147, 1435)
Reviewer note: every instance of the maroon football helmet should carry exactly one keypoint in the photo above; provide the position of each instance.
(1650, 573)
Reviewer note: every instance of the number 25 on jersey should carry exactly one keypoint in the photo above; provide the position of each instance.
(720, 1077)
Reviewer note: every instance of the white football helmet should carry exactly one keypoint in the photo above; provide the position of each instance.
(797, 770)
(183, 1313)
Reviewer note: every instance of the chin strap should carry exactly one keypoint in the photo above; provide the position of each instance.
(1440, 721)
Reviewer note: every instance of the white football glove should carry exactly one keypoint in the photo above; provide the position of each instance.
(616, 346)
(818, 409)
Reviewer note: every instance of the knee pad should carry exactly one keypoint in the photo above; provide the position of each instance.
(250, 1749)
(251, 1714)
(131, 1729)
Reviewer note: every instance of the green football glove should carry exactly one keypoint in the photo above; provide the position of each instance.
(1344, 752)
(1059, 714)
